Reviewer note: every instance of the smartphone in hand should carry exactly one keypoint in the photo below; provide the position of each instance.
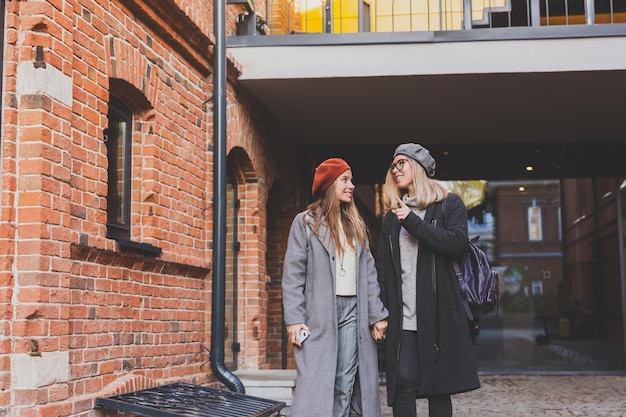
(303, 335)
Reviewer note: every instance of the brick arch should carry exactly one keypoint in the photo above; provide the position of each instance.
(127, 63)
(130, 95)
(128, 383)
(241, 165)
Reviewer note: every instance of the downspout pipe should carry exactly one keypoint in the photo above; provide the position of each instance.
(219, 204)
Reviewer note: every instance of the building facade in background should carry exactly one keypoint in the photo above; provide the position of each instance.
(106, 203)
(107, 188)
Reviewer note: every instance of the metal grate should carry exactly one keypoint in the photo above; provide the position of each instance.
(188, 400)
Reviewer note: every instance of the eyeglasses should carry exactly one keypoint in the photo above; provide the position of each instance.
(399, 165)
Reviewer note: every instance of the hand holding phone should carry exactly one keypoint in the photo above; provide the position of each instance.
(303, 335)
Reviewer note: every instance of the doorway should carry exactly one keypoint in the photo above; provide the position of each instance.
(555, 245)
(550, 217)
(232, 254)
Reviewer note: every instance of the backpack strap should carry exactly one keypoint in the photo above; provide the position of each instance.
(456, 266)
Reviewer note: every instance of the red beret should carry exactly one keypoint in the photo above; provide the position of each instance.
(326, 173)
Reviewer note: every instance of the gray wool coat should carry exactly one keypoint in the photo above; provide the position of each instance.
(308, 287)
(445, 355)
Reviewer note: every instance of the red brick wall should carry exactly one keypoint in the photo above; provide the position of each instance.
(284, 203)
(101, 319)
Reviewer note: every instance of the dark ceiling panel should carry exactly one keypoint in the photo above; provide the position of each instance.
(481, 108)
(488, 161)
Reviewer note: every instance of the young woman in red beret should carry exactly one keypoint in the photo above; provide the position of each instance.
(330, 291)
(429, 351)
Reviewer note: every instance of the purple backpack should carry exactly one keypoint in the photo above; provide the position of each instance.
(480, 284)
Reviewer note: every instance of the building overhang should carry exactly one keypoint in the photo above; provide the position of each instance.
(444, 86)
(500, 86)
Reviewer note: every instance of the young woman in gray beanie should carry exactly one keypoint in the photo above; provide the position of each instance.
(429, 351)
(330, 291)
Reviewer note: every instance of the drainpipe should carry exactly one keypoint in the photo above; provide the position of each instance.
(219, 204)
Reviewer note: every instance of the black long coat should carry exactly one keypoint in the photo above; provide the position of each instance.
(445, 353)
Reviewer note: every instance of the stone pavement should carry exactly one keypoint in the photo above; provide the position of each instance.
(537, 395)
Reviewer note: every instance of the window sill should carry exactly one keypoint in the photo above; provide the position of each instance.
(144, 248)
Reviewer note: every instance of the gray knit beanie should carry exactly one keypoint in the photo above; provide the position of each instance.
(418, 153)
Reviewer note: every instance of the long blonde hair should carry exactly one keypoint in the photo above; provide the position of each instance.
(427, 190)
(335, 213)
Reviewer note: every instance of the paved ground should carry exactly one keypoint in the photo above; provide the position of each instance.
(536, 395)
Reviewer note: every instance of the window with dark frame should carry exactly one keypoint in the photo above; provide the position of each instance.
(118, 138)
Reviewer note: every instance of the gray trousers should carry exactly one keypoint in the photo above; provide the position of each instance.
(347, 356)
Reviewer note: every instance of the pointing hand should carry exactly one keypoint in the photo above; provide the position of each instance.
(403, 211)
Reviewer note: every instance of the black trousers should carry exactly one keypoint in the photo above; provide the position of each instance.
(406, 391)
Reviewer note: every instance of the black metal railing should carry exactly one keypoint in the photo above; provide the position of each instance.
(187, 400)
(357, 16)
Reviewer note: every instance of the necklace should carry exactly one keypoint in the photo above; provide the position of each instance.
(342, 271)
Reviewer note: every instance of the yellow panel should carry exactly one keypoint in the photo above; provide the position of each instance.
(392, 15)
(311, 14)
(345, 16)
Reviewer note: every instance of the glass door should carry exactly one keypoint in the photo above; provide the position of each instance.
(555, 244)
